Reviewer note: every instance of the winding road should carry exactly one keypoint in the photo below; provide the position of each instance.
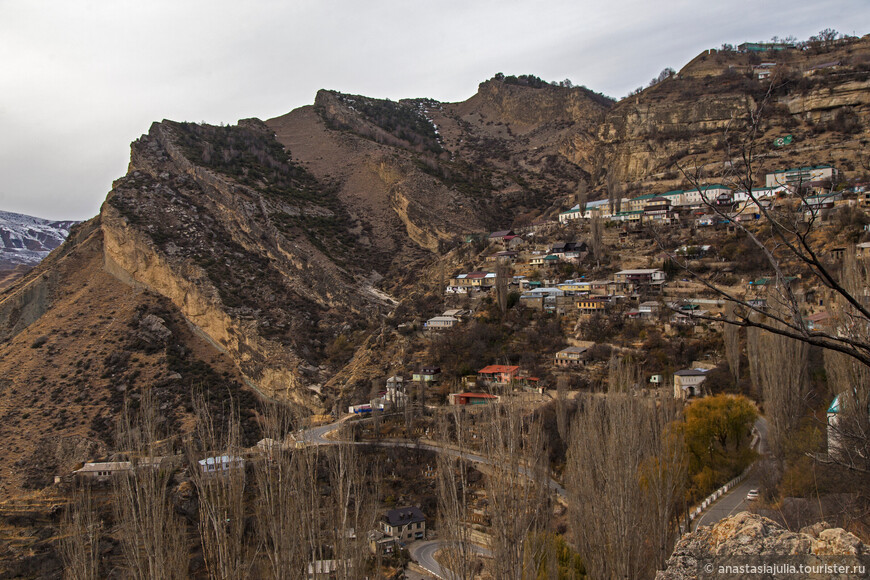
(424, 554)
(735, 500)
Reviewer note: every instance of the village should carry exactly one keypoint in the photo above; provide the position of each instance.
(604, 311)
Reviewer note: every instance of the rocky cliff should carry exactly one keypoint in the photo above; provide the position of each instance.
(748, 539)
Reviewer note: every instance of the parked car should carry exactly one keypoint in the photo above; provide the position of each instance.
(752, 495)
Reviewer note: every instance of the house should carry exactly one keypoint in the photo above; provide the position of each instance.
(102, 470)
(862, 250)
(381, 543)
(507, 238)
(571, 356)
(656, 209)
(221, 464)
(628, 216)
(574, 287)
(505, 256)
(687, 383)
(762, 284)
(693, 252)
(644, 278)
(815, 203)
(471, 398)
(404, 524)
(600, 207)
(548, 260)
(825, 66)
(427, 375)
(799, 176)
(569, 249)
(592, 304)
(441, 322)
(498, 374)
(689, 315)
(764, 46)
(818, 321)
(474, 280)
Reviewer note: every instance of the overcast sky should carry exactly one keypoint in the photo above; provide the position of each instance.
(80, 80)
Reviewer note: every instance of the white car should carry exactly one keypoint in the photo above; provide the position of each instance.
(752, 495)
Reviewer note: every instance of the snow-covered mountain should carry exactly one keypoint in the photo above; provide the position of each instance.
(27, 240)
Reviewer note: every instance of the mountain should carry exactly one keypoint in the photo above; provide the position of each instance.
(276, 258)
(25, 241)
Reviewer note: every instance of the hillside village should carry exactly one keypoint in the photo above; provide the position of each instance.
(338, 371)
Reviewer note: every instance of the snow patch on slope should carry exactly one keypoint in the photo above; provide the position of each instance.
(27, 240)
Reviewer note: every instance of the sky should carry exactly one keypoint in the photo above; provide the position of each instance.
(79, 81)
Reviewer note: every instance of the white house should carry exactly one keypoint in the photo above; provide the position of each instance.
(687, 383)
(800, 176)
(221, 464)
(441, 322)
(102, 470)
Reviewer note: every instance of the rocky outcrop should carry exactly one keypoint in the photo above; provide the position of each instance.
(748, 539)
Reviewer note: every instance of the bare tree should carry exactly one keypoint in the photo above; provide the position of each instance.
(624, 375)
(517, 487)
(731, 338)
(352, 508)
(562, 407)
(220, 485)
(153, 536)
(782, 365)
(502, 272)
(453, 498)
(581, 195)
(595, 237)
(281, 497)
(79, 544)
(614, 193)
(849, 379)
(625, 474)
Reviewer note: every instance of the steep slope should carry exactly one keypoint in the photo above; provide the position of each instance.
(76, 343)
(820, 96)
(437, 169)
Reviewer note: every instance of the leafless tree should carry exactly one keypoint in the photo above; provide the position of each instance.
(731, 337)
(849, 379)
(352, 507)
(596, 236)
(782, 366)
(502, 273)
(624, 376)
(582, 195)
(614, 193)
(80, 532)
(625, 474)
(562, 407)
(280, 495)
(453, 498)
(517, 487)
(153, 536)
(221, 492)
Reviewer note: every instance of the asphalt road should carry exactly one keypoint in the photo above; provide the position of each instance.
(424, 554)
(735, 500)
(317, 436)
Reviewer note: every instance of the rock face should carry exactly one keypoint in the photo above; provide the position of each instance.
(748, 539)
